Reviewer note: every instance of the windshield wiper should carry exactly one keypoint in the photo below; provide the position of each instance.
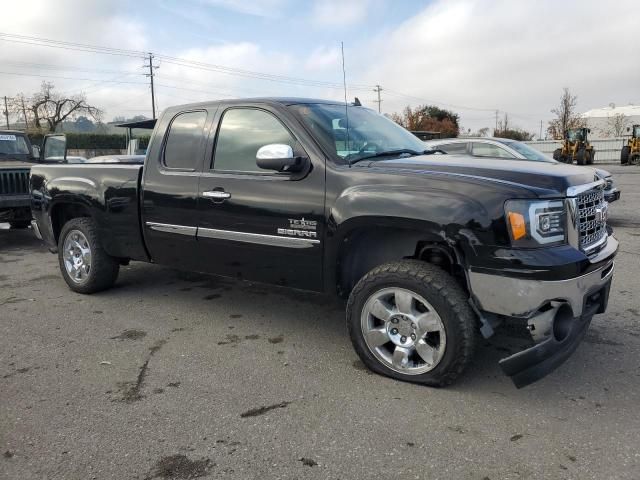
(386, 153)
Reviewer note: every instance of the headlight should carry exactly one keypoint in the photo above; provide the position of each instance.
(536, 223)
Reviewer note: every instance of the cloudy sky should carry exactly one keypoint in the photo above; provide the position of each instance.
(471, 56)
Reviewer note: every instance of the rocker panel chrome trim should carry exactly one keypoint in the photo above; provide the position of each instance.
(169, 228)
(258, 238)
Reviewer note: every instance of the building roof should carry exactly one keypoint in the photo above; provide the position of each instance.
(612, 110)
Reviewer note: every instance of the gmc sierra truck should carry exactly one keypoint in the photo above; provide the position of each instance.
(430, 250)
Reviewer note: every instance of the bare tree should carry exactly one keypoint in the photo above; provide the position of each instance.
(503, 125)
(566, 114)
(46, 110)
(616, 125)
(507, 130)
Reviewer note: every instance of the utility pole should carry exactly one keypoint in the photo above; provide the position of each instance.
(24, 112)
(497, 112)
(378, 89)
(540, 137)
(6, 111)
(151, 67)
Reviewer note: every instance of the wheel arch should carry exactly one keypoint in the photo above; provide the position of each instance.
(363, 247)
(63, 211)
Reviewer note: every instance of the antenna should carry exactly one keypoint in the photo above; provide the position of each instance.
(346, 105)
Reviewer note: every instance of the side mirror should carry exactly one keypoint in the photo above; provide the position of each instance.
(279, 157)
(35, 152)
(54, 148)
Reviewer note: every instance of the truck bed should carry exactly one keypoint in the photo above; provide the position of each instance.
(108, 193)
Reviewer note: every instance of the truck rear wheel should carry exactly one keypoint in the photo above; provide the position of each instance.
(411, 321)
(85, 266)
(591, 156)
(581, 156)
(557, 155)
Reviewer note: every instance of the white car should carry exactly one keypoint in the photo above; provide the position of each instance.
(509, 150)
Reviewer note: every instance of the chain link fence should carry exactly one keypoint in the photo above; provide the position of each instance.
(607, 149)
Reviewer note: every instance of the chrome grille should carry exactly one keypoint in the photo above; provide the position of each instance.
(592, 225)
(14, 182)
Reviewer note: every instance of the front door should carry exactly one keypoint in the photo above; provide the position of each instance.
(258, 224)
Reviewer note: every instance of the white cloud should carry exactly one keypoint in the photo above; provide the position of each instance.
(323, 58)
(512, 56)
(340, 13)
(259, 8)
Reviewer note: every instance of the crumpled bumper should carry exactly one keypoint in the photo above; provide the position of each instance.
(534, 363)
(557, 313)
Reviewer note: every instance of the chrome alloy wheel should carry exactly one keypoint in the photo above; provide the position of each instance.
(77, 256)
(403, 331)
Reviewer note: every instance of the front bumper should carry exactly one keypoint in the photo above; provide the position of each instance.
(14, 201)
(557, 312)
(612, 195)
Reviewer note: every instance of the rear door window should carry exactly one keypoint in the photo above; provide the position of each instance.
(453, 148)
(489, 150)
(183, 146)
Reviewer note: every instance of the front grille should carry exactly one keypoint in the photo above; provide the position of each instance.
(592, 225)
(14, 182)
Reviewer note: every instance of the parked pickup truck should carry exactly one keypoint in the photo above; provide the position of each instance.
(429, 250)
(16, 157)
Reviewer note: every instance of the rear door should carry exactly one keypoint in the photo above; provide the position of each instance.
(170, 188)
(259, 224)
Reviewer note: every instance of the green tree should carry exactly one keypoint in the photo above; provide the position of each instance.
(429, 118)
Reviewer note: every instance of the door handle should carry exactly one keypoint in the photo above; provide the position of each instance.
(216, 194)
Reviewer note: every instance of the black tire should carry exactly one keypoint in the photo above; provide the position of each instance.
(624, 155)
(591, 156)
(557, 155)
(581, 156)
(634, 159)
(103, 270)
(447, 298)
(20, 224)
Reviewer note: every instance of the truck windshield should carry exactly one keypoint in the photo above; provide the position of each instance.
(368, 132)
(528, 152)
(11, 144)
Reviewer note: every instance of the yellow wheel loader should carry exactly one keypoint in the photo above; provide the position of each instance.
(576, 147)
(630, 154)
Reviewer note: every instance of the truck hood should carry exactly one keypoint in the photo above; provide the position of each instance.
(13, 163)
(546, 178)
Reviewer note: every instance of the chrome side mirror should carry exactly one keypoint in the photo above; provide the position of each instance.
(279, 157)
(35, 152)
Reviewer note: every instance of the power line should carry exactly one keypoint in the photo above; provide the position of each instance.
(44, 42)
(67, 78)
(450, 105)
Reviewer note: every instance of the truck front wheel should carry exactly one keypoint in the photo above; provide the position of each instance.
(85, 266)
(411, 321)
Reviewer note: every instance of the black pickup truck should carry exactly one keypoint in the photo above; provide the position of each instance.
(428, 249)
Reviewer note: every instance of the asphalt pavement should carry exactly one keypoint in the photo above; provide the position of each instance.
(182, 375)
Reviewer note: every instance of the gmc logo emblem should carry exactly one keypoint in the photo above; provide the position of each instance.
(601, 214)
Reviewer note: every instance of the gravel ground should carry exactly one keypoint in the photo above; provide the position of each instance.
(177, 375)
